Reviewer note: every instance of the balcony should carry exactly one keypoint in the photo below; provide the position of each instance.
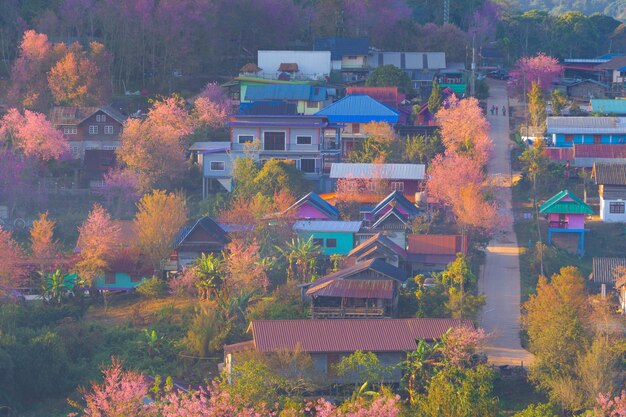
(346, 312)
(559, 225)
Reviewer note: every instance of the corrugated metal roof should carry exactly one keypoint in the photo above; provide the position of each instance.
(556, 204)
(286, 92)
(377, 265)
(319, 203)
(599, 151)
(340, 47)
(581, 125)
(559, 154)
(409, 60)
(436, 244)
(381, 288)
(614, 63)
(610, 174)
(604, 268)
(378, 171)
(267, 108)
(327, 226)
(378, 239)
(349, 335)
(602, 105)
(359, 108)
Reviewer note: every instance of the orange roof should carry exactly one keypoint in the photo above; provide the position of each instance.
(288, 67)
(362, 198)
(437, 244)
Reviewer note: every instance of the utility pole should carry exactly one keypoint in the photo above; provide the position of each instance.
(473, 80)
(446, 12)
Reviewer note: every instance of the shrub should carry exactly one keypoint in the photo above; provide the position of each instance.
(153, 288)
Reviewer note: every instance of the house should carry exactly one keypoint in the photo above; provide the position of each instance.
(96, 163)
(205, 236)
(124, 272)
(328, 341)
(586, 155)
(365, 290)
(610, 272)
(355, 111)
(433, 253)
(566, 214)
(377, 246)
(608, 107)
(390, 97)
(614, 70)
(294, 65)
(407, 179)
(566, 131)
(584, 89)
(453, 78)
(347, 56)
(301, 139)
(394, 201)
(334, 237)
(308, 99)
(88, 128)
(611, 181)
(420, 67)
(312, 207)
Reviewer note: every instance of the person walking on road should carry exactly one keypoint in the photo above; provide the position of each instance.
(503, 111)
(496, 110)
(491, 109)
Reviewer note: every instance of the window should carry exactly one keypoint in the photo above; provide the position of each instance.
(109, 278)
(245, 138)
(331, 243)
(569, 138)
(597, 139)
(312, 104)
(93, 129)
(617, 208)
(274, 141)
(307, 165)
(303, 140)
(397, 186)
(356, 128)
(101, 118)
(70, 130)
(74, 150)
(217, 165)
(318, 242)
(108, 129)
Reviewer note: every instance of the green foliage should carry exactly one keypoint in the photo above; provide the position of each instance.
(482, 90)
(253, 382)
(206, 332)
(436, 98)
(361, 367)
(283, 304)
(390, 76)
(370, 150)
(421, 149)
(154, 287)
(558, 101)
(210, 272)
(278, 175)
(537, 410)
(460, 280)
(245, 171)
(537, 107)
(430, 298)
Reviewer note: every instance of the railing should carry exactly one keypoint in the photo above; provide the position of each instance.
(346, 312)
(559, 225)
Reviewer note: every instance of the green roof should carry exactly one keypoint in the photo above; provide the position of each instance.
(457, 88)
(556, 205)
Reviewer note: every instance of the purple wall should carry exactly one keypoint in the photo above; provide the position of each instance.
(307, 211)
(574, 221)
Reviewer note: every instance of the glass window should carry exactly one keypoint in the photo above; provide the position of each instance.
(108, 130)
(303, 140)
(70, 130)
(217, 165)
(312, 104)
(245, 138)
(274, 141)
(307, 165)
(318, 242)
(397, 186)
(331, 243)
(617, 208)
(93, 129)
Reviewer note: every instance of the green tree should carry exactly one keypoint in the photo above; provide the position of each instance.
(281, 175)
(421, 149)
(436, 98)
(418, 368)
(390, 76)
(537, 108)
(57, 285)
(245, 171)
(537, 410)
(361, 367)
(534, 164)
(458, 278)
(301, 256)
(558, 101)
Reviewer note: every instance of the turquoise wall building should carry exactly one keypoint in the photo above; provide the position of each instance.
(333, 237)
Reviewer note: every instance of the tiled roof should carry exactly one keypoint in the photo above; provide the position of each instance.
(288, 67)
(378, 171)
(591, 125)
(604, 268)
(603, 105)
(286, 92)
(599, 151)
(380, 288)
(556, 204)
(209, 225)
(358, 108)
(349, 335)
(340, 47)
(327, 226)
(437, 244)
(319, 203)
(610, 174)
(66, 115)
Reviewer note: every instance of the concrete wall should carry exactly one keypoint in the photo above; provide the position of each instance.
(345, 241)
(609, 217)
(312, 64)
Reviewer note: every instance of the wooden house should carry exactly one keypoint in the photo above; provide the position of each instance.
(611, 272)
(312, 207)
(205, 236)
(375, 179)
(611, 181)
(334, 237)
(433, 253)
(566, 214)
(329, 341)
(377, 246)
(366, 289)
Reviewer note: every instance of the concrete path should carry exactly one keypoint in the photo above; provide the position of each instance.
(500, 277)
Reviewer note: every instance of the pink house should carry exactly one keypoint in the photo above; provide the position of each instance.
(312, 207)
(566, 214)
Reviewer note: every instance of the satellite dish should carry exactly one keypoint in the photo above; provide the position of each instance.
(19, 223)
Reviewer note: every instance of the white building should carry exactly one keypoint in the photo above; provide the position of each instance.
(312, 65)
(611, 180)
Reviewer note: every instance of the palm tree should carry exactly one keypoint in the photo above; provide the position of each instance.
(210, 270)
(301, 256)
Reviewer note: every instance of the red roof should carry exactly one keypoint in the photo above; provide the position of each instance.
(348, 335)
(600, 151)
(437, 244)
(288, 67)
(386, 95)
(354, 289)
(559, 154)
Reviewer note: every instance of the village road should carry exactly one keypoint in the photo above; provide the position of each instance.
(500, 277)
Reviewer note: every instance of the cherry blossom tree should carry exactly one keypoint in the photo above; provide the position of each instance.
(120, 191)
(473, 211)
(12, 271)
(460, 344)
(610, 407)
(540, 68)
(448, 174)
(32, 134)
(212, 106)
(44, 248)
(244, 266)
(98, 239)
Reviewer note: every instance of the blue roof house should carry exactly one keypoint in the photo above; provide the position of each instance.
(309, 99)
(567, 131)
(355, 111)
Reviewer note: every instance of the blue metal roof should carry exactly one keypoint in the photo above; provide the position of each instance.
(321, 204)
(609, 106)
(340, 47)
(359, 108)
(268, 108)
(286, 92)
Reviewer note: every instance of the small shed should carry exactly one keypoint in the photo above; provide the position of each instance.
(566, 213)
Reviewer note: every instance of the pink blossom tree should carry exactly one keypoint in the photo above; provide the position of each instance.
(460, 344)
(610, 407)
(32, 134)
(212, 106)
(120, 191)
(448, 174)
(540, 68)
